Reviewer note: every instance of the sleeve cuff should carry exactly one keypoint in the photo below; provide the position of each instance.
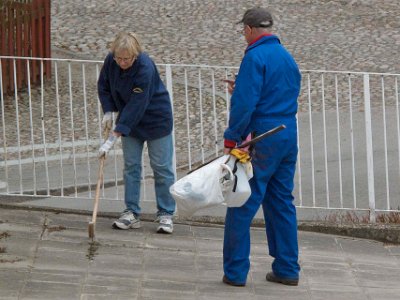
(125, 130)
(229, 144)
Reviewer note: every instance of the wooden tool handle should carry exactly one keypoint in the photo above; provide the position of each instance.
(98, 188)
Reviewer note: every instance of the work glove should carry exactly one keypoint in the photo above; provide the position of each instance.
(107, 121)
(109, 143)
(242, 155)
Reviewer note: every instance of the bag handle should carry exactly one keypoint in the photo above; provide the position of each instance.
(228, 169)
(231, 174)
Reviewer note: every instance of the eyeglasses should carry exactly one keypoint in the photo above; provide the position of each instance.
(123, 59)
(243, 30)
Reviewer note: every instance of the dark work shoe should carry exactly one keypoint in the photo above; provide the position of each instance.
(273, 278)
(227, 281)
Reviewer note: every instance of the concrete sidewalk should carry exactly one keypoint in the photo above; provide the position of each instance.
(47, 255)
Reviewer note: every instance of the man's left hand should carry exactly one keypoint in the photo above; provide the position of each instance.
(231, 85)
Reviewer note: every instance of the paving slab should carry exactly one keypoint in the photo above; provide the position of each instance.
(55, 259)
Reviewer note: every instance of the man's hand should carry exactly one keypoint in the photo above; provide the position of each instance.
(227, 150)
(106, 147)
(231, 85)
(107, 121)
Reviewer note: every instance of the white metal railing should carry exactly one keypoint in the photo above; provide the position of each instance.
(349, 128)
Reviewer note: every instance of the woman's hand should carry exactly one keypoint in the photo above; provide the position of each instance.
(116, 133)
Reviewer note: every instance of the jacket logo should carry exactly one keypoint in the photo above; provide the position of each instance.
(137, 90)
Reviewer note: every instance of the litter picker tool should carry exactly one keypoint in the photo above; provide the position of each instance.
(262, 136)
(249, 143)
(100, 178)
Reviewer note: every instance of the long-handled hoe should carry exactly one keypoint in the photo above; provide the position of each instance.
(100, 177)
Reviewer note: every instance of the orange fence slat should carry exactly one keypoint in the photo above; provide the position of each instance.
(24, 31)
(10, 49)
(21, 74)
(47, 25)
(3, 45)
(35, 35)
(27, 30)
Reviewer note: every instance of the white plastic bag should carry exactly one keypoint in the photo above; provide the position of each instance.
(240, 191)
(212, 184)
(199, 189)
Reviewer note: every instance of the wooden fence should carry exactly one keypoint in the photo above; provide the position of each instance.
(24, 31)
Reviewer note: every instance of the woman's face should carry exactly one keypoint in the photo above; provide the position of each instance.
(124, 59)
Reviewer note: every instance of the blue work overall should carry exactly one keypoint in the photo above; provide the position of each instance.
(274, 162)
(265, 96)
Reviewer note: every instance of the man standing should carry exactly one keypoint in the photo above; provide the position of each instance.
(264, 96)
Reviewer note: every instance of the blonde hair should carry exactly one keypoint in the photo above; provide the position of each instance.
(127, 41)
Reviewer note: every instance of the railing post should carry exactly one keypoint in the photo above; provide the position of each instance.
(168, 79)
(370, 154)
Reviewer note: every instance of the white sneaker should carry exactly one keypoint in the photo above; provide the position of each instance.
(126, 220)
(166, 224)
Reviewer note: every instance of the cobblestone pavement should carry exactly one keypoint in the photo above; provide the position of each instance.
(351, 35)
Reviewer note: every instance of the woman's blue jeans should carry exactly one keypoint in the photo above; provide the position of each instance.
(161, 161)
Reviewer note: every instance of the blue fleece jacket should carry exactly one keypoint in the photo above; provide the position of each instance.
(266, 88)
(140, 97)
